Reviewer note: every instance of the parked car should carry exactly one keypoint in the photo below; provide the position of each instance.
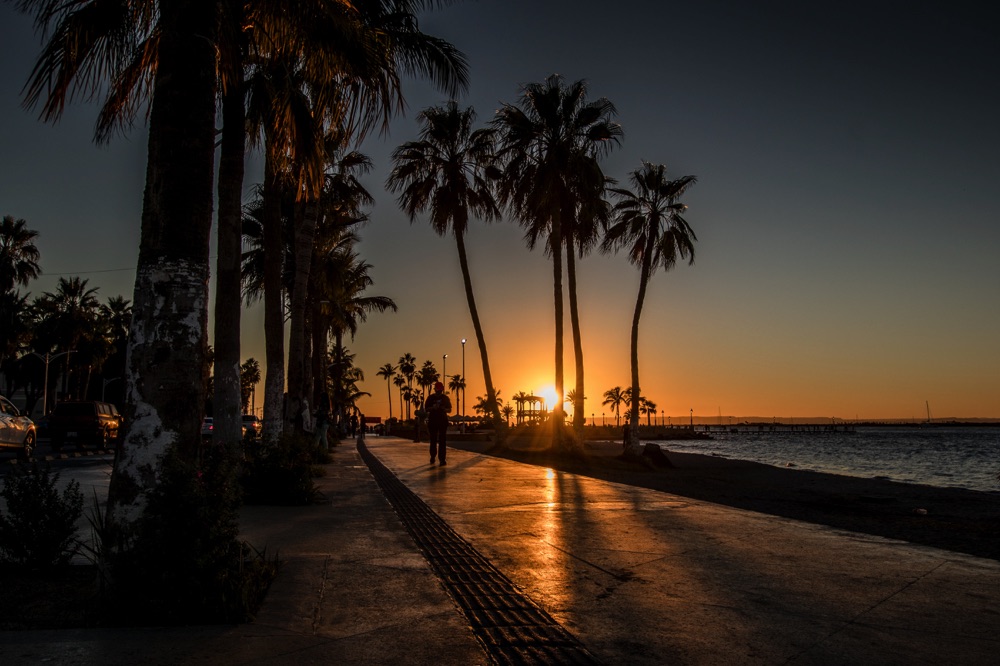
(17, 431)
(208, 425)
(252, 427)
(84, 422)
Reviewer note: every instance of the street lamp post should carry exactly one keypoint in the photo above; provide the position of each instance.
(45, 390)
(462, 407)
(105, 385)
(444, 369)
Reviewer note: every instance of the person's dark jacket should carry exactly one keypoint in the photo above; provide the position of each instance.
(437, 406)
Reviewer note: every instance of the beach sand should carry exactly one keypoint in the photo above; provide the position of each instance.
(964, 521)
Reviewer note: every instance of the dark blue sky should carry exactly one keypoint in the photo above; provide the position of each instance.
(846, 207)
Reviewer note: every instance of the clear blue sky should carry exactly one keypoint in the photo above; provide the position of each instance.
(846, 208)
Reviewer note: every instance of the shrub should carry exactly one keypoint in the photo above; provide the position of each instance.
(282, 474)
(39, 530)
(185, 563)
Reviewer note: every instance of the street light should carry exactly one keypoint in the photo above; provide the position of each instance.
(444, 369)
(105, 385)
(45, 391)
(462, 407)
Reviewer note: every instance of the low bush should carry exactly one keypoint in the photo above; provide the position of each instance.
(39, 529)
(282, 474)
(185, 564)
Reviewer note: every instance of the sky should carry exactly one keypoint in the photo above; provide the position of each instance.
(846, 207)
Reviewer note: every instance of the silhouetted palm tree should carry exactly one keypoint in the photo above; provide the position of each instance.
(647, 407)
(249, 378)
(18, 266)
(507, 411)
(388, 372)
(444, 173)
(69, 321)
(426, 377)
(399, 381)
(614, 397)
(549, 144)
(18, 254)
(457, 385)
(649, 224)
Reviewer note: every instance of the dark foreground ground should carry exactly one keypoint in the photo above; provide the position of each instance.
(952, 519)
(964, 521)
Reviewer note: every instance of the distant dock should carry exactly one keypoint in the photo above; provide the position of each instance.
(773, 427)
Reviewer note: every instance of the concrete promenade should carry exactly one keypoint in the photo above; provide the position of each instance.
(635, 576)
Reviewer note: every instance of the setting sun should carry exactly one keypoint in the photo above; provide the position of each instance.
(549, 394)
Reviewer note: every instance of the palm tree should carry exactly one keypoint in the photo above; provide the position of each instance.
(18, 254)
(341, 278)
(345, 77)
(18, 266)
(614, 397)
(426, 377)
(576, 399)
(341, 207)
(388, 372)
(406, 392)
(399, 381)
(507, 411)
(249, 378)
(69, 320)
(581, 234)
(167, 344)
(649, 224)
(445, 173)
(457, 384)
(549, 145)
(647, 407)
(408, 367)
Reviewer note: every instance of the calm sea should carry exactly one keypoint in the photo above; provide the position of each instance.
(939, 456)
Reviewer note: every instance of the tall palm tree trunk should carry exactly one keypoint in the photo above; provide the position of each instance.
(574, 316)
(274, 320)
(319, 354)
(165, 367)
(491, 394)
(227, 399)
(304, 234)
(633, 423)
(557, 290)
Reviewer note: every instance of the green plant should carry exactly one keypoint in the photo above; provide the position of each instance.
(39, 529)
(283, 474)
(185, 563)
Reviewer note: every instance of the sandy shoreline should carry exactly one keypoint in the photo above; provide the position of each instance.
(965, 521)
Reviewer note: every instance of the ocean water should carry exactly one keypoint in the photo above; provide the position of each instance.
(961, 457)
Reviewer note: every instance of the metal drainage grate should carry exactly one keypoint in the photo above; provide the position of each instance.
(511, 628)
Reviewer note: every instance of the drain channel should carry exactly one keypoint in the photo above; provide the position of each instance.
(511, 628)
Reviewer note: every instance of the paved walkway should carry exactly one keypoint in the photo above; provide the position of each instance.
(627, 575)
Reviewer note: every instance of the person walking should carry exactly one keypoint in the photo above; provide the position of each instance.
(438, 406)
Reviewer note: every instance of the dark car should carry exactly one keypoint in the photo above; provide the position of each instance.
(208, 428)
(17, 431)
(84, 422)
(252, 426)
